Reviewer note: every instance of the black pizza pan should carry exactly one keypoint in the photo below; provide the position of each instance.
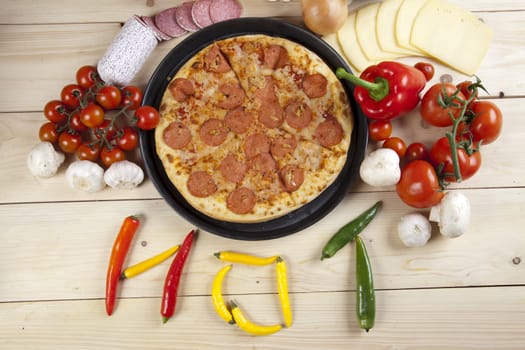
(296, 220)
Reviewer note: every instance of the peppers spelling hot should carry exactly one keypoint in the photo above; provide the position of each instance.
(386, 90)
(147, 264)
(118, 255)
(171, 284)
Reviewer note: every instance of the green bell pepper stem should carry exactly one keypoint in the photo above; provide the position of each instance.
(377, 90)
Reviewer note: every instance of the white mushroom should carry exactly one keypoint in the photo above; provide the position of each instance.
(381, 168)
(414, 230)
(86, 176)
(124, 175)
(452, 214)
(43, 160)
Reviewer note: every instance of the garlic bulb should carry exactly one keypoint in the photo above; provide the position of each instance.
(124, 175)
(86, 176)
(43, 160)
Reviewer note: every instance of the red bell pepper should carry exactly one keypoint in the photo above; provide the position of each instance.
(387, 90)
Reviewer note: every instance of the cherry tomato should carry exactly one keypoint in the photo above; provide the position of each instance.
(432, 110)
(441, 156)
(68, 142)
(132, 97)
(379, 130)
(466, 90)
(86, 151)
(110, 156)
(426, 68)
(487, 122)
(109, 97)
(147, 117)
(71, 95)
(396, 144)
(419, 185)
(105, 130)
(76, 124)
(55, 111)
(129, 139)
(48, 132)
(87, 76)
(415, 151)
(92, 115)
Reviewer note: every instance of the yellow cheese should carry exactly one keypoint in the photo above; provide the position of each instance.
(331, 39)
(365, 26)
(386, 26)
(347, 38)
(452, 35)
(406, 15)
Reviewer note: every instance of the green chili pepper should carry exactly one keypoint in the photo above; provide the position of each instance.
(349, 231)
(365, 295)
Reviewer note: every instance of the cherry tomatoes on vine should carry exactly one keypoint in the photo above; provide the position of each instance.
(379, 130)
(419, 185)
(415, 151)
(131, 97)
(86, 151)
(147, 117)
(396, 144)
(441, 157)
(426, 68)
(71, 95)
(48, 132)
(92, 115)
(87, 76)
(76, 124)
(109, 97)
(55, 111)
(69, 142)
(110, 156)
(129, 139)
(487, 122)
(105, 130)
(466, 89)
(439, 101)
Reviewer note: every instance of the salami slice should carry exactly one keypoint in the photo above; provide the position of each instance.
(181, 89)
(200, 12)
(232, 169)
(184, 18)
(222, 10)
(201, 184)
(241, 201)
(177, 135)
(314, 85)
(213, 132)
(166, 23)
(149, 23)
(329, 133)
(238, 120)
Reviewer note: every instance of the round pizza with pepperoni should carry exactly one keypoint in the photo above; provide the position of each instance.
(253, 127)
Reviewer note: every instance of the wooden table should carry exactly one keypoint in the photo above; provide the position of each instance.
(466, 293)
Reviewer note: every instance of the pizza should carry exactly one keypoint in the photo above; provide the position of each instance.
(252, 128)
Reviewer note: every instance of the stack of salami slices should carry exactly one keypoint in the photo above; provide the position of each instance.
(191, 16)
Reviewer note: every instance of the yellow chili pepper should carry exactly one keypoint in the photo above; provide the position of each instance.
(247, 259)
(248, 326)
(147, 264)
(216, 295)
(282, 288)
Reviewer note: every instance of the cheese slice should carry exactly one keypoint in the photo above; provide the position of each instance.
(451, 35)
(347, 38)
(365, 26)
(331, 39)
(386, 26)
(406, 15)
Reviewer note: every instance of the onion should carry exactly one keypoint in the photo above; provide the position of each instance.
(324, 16)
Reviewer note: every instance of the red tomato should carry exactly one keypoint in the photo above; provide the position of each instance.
(48, 132)
(466, 89)
(55, 111)
(88, 152)
(147, 117)
(432, 110)
(109, 97)
(426, 68)
(416, 150)
(396, 144)
(379, 130)
(487, 122)
(419, 185)
(68, 142)
(132, 97)
(129, 139)
(441, 156)
(105, 130)
(71, 95)
(92, 115)
(110, 156)
(76, 124)
(87, 76)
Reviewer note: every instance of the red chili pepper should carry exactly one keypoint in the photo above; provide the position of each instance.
(171, 284)
(386, 90)
(116, 261)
